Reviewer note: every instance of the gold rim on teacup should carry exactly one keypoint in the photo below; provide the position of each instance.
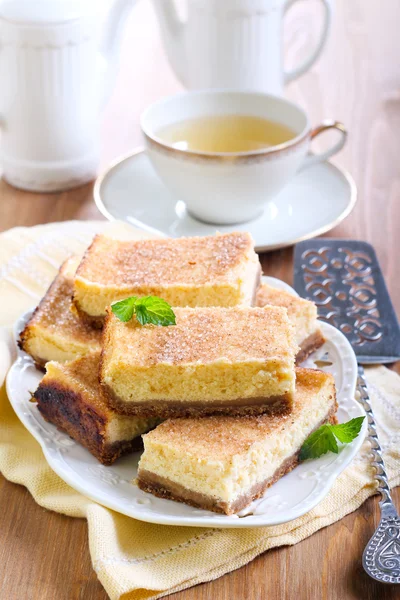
(284, 148)
(280, 149)
(307, 135)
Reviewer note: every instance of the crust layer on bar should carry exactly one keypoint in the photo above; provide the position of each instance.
(163, 487)
(70, 397)
(310, 345)
(220, 270)
(231, 459)
(167, 409)
(302, 313)
(54, 332)
(212, 357)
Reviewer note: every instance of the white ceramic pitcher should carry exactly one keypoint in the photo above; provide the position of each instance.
(231, 43)
(57, 59)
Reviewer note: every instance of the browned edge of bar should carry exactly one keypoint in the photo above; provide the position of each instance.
(25, 334)
(69, 412)
(310, 345)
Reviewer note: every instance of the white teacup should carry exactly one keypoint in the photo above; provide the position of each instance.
(227, 187)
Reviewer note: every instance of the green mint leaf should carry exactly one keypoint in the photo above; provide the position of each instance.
(318, 443)
(124, 309)
(154, 310)
(324, 439)
(141, 314)
(149, 309)
(347, 432)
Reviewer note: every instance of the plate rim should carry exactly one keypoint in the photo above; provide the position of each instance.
(206, 521)
(114, 164)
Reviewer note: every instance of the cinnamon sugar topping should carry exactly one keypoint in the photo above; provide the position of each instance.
(205, 335)
(194, 260)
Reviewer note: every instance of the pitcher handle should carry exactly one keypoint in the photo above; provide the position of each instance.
(312, 159)
(310, 60)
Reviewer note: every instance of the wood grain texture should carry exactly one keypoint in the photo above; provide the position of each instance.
(43, 555)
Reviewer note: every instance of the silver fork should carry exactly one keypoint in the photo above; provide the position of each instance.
(381, 557)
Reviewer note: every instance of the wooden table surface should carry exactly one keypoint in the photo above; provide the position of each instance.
(45, 556)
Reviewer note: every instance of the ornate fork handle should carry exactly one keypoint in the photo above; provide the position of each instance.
(386, 502)
(381, 558)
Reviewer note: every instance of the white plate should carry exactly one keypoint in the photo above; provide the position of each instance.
(317, 200)
(289, 498)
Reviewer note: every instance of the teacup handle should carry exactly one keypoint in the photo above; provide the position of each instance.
(312, 159)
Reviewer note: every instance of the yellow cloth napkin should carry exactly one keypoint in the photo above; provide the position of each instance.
(136, 560)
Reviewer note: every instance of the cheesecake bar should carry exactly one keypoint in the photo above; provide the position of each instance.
(222, 463)
(302, 313)
(214, 360)
(70, 397)
(219, 270)
(54, 332)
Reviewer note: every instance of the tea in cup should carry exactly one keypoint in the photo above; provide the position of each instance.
(226, 154)
(226, 133)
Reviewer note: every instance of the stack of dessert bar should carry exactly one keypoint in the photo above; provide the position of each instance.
(224, 408)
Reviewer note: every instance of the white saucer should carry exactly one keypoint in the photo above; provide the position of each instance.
(317, 200)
